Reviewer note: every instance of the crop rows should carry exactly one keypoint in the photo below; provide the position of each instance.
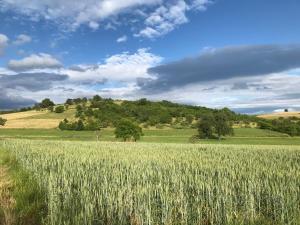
(153, 184)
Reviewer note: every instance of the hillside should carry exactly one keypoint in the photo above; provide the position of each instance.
(107, 112)
(43, 119)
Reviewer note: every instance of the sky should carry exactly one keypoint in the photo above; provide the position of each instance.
(244, 55)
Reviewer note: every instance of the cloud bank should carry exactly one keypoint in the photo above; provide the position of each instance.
(224, 63)
(160, 16)
(252, 79)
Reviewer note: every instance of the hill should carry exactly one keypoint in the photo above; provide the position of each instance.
(107, 113)
(280, 114)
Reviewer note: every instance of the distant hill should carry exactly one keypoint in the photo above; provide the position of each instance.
(280, 114)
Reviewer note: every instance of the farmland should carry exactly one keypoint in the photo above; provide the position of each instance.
(144, 183)
(242, 136)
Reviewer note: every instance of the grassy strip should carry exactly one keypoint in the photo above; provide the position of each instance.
(29, 201)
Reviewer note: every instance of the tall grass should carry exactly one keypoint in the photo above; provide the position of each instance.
(151, 184)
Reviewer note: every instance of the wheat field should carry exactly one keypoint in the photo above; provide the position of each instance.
(152, 184)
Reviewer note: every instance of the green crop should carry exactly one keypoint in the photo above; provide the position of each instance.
(163, 184)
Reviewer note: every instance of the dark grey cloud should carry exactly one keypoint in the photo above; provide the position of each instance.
(30, 81)
(290, 96)
(77, 68)
(224, 63)
(8, 102)
(240, 86)
(10, 85)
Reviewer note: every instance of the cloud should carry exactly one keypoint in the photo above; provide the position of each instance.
(22, 39)
(14, 87)
(169, 16)
(161, 16)
(8, 102)
(122, 39)
(30, 81)
(93, 25)
(224, 63)
(164, 20)
(124, 67)
(84, 12)
(3, 43)
(34, 61)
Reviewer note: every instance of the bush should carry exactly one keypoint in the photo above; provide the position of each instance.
(60, 109)
(2, 121)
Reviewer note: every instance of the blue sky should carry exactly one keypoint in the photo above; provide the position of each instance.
(130, 49)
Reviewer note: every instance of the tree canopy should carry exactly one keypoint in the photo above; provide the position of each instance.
(46, 103)
(127, 130)
(217, 123)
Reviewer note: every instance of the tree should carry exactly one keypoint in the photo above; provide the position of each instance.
(96, 98)
(80, 125)
(60, 109)
(46, 103)
(127, 130)
(2, 121)
(69, 102)
(205, 126)
(222, 124)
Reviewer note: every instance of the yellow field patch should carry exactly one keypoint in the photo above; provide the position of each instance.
(22, 115)
(32, 123)
(280, 114)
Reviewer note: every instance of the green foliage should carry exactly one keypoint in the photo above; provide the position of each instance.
(110, 113)
(69, 101)
(222, 124)
(2, 121)
(205, 126)
(290, 126)
(128, 131)
(215, 123)
(67, 125)
(46, 103)
(59, 109)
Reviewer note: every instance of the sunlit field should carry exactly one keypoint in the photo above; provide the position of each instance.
(142, 183)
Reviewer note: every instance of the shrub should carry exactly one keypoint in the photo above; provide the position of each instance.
(60, 109)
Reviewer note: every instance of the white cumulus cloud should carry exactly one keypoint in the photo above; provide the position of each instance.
(122, 39)
(167, 17)
(34, 61)
(22, 39)
(122, 67)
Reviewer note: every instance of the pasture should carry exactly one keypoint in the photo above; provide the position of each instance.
(251, 136)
